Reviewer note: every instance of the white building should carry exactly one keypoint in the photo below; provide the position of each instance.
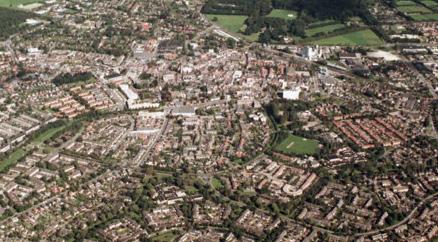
(292, 94)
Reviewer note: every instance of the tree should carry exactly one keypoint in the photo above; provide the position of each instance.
(265, 37)
(231, 43)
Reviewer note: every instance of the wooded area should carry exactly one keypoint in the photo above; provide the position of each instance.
(11, 21)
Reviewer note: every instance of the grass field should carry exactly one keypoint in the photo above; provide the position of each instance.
(425, 17)
(414, 9)
(430, 3)
(15, 3)
(47, 135)
(12, 159)
(405, 3)
(167, 236)
(282, 13)
(297, 145)
(361, 37)
(231, 23)
(322, 23)
(324, 29)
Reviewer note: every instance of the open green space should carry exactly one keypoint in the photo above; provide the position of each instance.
(232, 23)
(322, 23)
(405, 3)
(425, 17)
(12, 158)
(283, 13)
(251, 38)
(46, 135)
(430, 3)
(293, 144)
(324, 29)
(16, 3)
(361, 37)
(167, 236)
(191, 190)
(414, 9)
(37, 140)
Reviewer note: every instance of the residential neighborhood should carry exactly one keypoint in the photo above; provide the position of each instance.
(161, 121)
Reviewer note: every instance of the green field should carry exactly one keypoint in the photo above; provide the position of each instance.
(15, 3)
(191, 190)
(324, 29)
(232, 23)
(167, 236)
(425, 17)
(414, 9)
(12, 159)
(430, 3)
(405, 3)
(282, 13)
(297, 145)
(47, 134)
(361, 37)
(322, 23)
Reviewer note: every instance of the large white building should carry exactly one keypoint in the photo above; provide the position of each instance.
(292, 94)
(129, 93)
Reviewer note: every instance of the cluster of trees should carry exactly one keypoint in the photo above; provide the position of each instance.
(238, 7)
(325, 9)
(11, 21)
(284, 111)
(66, 78)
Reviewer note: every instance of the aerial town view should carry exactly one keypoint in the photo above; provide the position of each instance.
(219, 120)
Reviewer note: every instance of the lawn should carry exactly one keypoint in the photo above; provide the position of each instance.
(361, 37)
(430, 3)
(47, 134)
(297, 145)
(324, 29)
(414, 9)
(425, 17)
(191, 190)
(282, 13)
(232, 23)
(251, 38)
(12, 159)
(167, 236)
(405, 3)
(15, 3)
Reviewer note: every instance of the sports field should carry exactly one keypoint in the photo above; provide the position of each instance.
(232, 23)
(361, 37)
(282, 13)
(297, 145)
